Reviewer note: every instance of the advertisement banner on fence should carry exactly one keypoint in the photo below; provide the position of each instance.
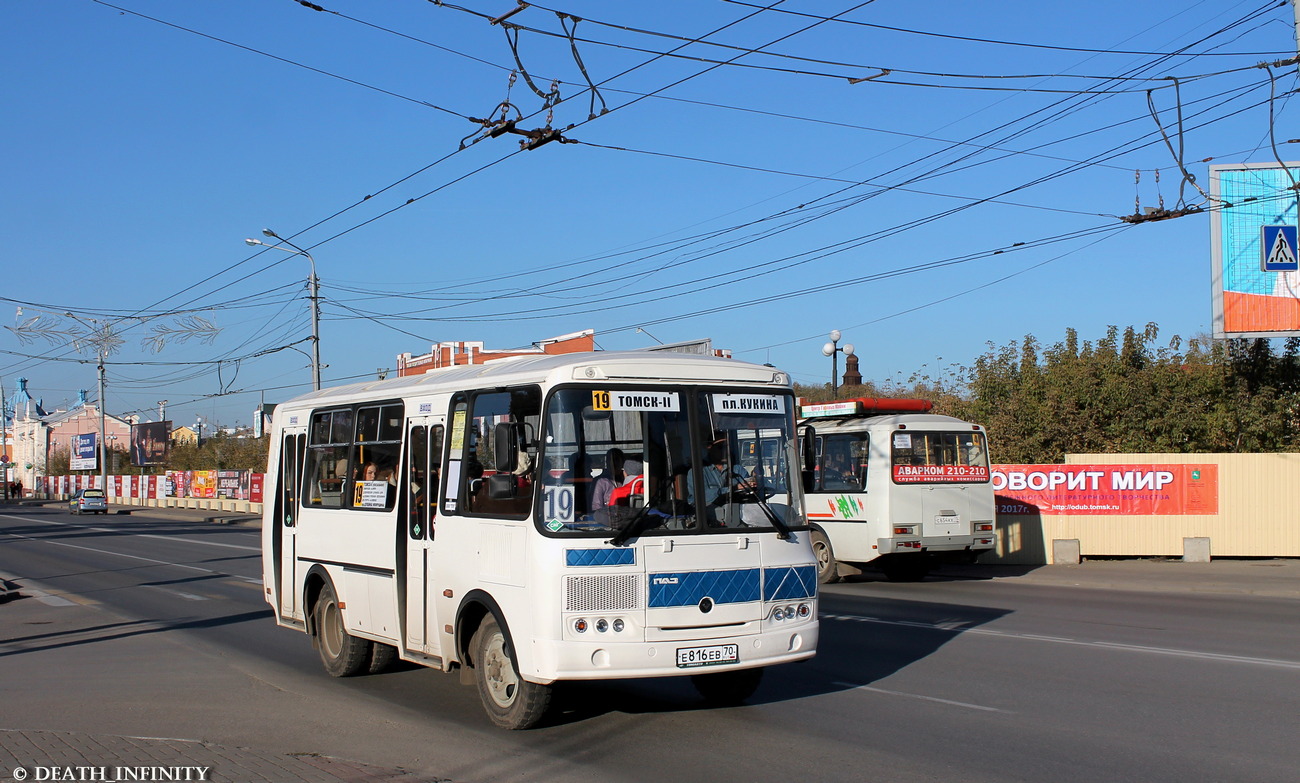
(1107, 489)
(255, 487)
(228, 484)
(203, 484)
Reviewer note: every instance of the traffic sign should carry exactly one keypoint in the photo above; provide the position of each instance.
(1277, 249)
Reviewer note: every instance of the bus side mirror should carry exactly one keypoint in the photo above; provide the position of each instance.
(501, 486)
(505, 447)
(808, 458)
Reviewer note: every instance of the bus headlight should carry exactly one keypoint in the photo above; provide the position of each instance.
(618, 625)
(580, 625)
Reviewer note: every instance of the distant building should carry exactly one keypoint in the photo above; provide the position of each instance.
(184, 435)
(38, 434)
(453, 354)
(456, 354)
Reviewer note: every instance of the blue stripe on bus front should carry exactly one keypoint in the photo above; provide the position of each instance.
(785, 584)
(688, 588)
(599, 557)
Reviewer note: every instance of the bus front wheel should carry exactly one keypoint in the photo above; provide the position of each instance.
(342, 653)
(827, 568)
(510, 701)
(727, 688)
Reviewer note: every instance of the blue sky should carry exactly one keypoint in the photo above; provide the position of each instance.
(859, 173)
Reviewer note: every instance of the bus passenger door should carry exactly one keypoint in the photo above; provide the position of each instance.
(287, 504)
(423, 477)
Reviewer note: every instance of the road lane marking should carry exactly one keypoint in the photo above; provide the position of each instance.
(950, 702)
(957, 628)
(108, 552)
(137, 535)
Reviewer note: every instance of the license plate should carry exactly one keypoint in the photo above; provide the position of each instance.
(946, 520)
(688, 657)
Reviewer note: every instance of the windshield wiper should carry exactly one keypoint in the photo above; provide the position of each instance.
(782, 529)
(632, 527)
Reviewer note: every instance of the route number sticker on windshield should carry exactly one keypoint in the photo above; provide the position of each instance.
(634, 401)
(559, 507)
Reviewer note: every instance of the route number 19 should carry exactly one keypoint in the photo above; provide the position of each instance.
(600, 400)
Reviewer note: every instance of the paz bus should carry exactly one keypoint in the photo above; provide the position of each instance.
(892, 485)
(457, 520)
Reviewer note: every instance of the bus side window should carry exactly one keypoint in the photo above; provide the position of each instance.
(327, 459)
(417, 483)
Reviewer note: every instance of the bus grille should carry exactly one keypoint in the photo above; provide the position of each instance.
(610, 593)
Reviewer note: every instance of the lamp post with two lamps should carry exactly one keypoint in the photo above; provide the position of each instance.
(314, 295)
(833, 350)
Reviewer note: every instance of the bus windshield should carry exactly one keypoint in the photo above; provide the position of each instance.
(939, 457)
(666, 459)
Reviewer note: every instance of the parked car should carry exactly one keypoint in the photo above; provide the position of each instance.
(89, 501)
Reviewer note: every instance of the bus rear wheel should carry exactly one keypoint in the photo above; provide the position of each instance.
(510, 701)
(342, 653)
(725, 689)
(827, 568)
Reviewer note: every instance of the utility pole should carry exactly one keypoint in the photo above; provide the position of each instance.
(4, 440)
(313, 289)
(103, 431)
(1295, 15)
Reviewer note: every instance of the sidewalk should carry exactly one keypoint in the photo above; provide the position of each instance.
(1265, 577)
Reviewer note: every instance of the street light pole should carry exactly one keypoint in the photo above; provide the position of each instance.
(313, 294)
(833, 350)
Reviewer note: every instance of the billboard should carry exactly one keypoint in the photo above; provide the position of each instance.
(84, 452)
(1256, 280)
(1174, 489)
(149, 443)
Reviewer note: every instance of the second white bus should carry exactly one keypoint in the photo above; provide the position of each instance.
(890, 485)
(535, 520)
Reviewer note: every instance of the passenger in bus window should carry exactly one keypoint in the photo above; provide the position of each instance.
(610, 478)
(973, 450)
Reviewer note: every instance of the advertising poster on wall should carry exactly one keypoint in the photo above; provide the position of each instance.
(149, 443)
(84, 452)
(1107, 489)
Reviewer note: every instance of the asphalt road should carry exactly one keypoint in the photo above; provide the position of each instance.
(140, 627)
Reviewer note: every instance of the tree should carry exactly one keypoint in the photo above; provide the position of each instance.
(1124, 393)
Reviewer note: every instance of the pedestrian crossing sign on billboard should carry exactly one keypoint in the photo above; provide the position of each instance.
(1277, 250)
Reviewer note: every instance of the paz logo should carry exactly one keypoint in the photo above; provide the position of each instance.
(1196, 475)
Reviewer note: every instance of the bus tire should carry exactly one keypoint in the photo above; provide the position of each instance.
(342, 653)
(827, 568)
(727, 688)
(381, 657)
(510, 701)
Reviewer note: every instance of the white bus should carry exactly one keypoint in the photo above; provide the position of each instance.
(541, 519)
(891, 485)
